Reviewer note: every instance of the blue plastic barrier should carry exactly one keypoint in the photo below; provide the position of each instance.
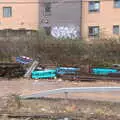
(23, 59)
(66, 70)
(103, 71)
(44, 74)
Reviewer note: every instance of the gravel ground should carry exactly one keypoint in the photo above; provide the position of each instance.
(89, 106)
(29, 86)
(60, 108)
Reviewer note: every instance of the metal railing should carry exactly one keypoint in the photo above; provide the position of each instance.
(72, 90)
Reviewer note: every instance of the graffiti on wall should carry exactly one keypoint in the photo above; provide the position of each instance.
(65, 32)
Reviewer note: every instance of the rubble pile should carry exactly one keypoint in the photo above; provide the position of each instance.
(11, 70)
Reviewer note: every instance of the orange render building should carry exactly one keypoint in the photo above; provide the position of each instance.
(100, 18)
(19, 14)
(97, 18)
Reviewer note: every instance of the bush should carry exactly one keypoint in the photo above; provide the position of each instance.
(62, 52)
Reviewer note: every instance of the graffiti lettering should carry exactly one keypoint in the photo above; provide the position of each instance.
(65, 32)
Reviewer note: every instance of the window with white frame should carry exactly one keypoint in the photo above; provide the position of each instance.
(116, 29)
(93, 30)
(117, 3)
(7, 11)
(94, 6)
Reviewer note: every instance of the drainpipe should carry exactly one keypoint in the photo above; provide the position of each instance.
(40, 6)
(81, 16)
(39, 2)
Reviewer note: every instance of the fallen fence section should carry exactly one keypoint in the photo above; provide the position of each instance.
(32, 67)
(71, 90)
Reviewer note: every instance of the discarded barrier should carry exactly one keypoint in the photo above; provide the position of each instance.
(46, 74)
(23, 59)
(103, 71)
(66, 70)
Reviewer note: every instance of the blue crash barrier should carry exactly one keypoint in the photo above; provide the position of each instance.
(23, 59)
(66, 70)
(46, 74)
(103, 71)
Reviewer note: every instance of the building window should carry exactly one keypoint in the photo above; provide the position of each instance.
(93, 31)
(116, 29)
(47, 8)
(94, 6)
(7, 11)
(117, 3)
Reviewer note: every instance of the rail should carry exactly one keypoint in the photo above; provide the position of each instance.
(31, 116)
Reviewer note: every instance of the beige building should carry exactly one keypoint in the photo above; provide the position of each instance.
(100, 18)
(93, 18)
(61, 18)
(19, 14)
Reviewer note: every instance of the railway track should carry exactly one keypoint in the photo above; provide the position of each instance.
(31, 116)
(89, 78)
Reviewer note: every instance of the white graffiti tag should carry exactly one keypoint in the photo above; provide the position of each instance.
(65, 32)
